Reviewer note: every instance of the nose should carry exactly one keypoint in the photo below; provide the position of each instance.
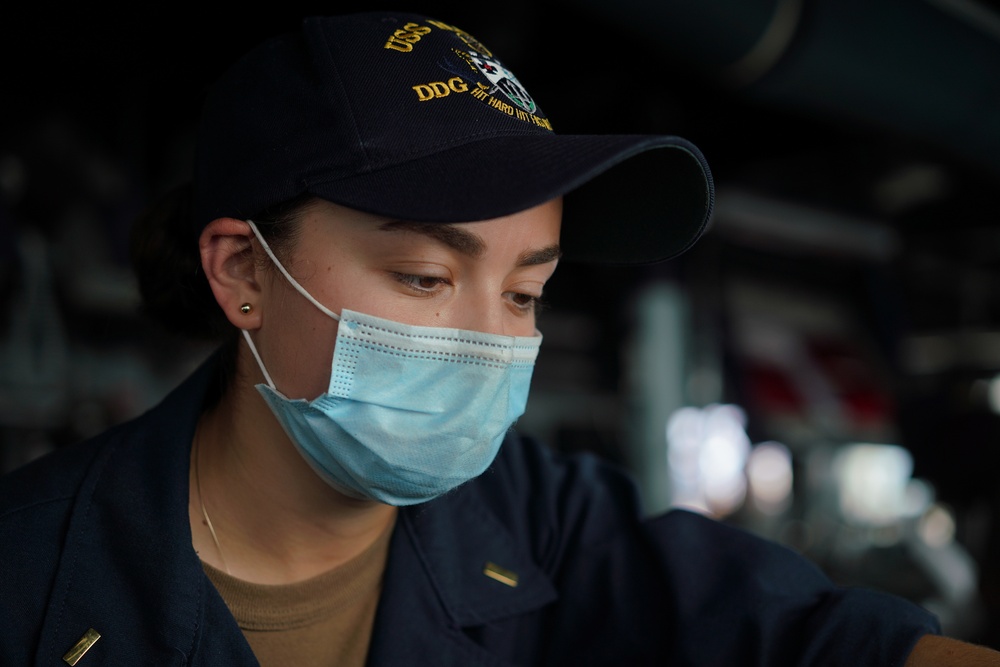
(481, 313)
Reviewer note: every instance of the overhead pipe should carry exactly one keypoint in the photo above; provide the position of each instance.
(927, 70)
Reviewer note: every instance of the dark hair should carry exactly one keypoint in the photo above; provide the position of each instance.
(167, 263)
(175, 293)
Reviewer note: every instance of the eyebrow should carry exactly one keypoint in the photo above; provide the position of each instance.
(461, 240)
(541, 256)
(468, 243)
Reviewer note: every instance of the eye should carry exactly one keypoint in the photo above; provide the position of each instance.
(422, 284)
(525, 302)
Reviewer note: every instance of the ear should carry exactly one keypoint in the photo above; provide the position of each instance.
(228, 261)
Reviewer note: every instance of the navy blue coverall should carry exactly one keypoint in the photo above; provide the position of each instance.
(97, 536)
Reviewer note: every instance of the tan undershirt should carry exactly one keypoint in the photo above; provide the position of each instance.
(325, 620)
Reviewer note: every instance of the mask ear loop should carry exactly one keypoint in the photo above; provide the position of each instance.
(299, 288)
(294, 283)
(256, 355)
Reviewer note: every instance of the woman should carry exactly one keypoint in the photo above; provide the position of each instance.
(376, 207)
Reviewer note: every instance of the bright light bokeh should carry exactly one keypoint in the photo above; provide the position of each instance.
(937, 527)
(872, 482)
(770, 474)
(707, 450)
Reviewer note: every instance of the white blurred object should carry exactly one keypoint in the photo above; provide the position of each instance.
(872, 483)
(770, 475)
(707, 450)
(937, 527)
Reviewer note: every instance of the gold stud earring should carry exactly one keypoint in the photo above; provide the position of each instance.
(246, 309)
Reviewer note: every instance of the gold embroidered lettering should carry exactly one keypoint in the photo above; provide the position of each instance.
(440, 89)
(443, 26)
(501, 106)
(428, 91)
(469, 40)
(407, 36)
(397, 45)
(417, 29)
(424, 93)
(481, 92)
(402, 40)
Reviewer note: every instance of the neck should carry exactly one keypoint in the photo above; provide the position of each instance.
(275, 520)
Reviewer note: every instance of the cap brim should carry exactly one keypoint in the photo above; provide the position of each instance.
(652, 205)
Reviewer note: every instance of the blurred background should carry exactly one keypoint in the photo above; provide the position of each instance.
(821, 369)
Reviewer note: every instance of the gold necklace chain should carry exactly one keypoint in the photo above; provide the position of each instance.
(201, 502)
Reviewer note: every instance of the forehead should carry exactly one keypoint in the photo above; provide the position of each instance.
(538, 225)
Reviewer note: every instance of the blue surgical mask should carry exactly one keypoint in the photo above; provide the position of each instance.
(411, 412)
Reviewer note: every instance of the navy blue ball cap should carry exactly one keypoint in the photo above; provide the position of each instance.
(410, 118)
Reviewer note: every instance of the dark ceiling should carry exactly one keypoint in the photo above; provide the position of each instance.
(855, 92)
(883, 111)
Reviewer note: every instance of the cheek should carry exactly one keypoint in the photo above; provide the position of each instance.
(299, 342)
